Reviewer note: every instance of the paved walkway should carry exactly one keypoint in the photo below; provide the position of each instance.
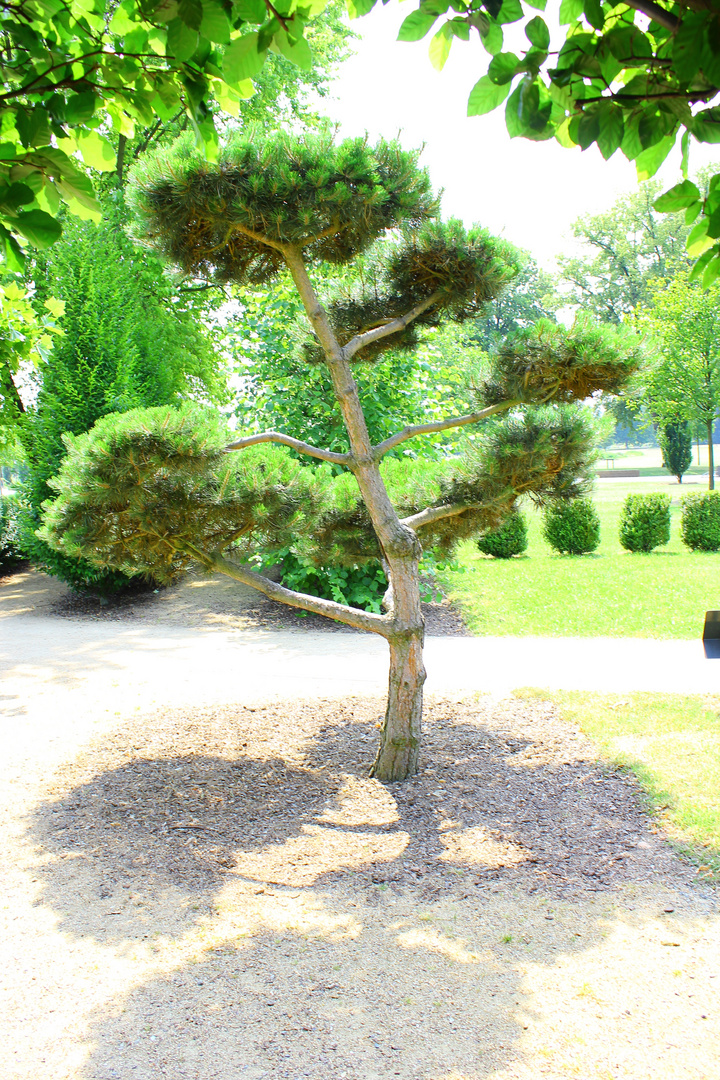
(62, 680)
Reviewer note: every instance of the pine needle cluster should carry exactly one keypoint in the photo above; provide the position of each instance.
(546, 362)
(332, 200)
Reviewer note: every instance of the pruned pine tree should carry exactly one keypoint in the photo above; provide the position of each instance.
(161, 489)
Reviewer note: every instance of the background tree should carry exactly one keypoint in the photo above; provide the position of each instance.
(630, 248)
(684, 380)
(530, 296)
(158, 490)
(676, 444)
(128, 340)
(629, 77)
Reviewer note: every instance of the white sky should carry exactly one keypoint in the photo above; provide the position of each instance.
(528, 192)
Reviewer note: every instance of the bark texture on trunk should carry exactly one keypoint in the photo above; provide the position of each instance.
(403, 625)
(397, 757)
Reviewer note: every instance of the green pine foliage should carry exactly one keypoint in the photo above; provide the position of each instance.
(510, 539)
(572, 527)
(645, 522)
(135, 494)
(700, 522)
(676, 444)
(128, 341)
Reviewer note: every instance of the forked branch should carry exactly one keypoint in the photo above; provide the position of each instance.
(360, 620)
(440, 425)
(295, 444)
(391, 327)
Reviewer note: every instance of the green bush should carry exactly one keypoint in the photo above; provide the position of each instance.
(700, 527)
(10, 553)
(359, 586)
(645, 521)
(572, 528)
(510, 539)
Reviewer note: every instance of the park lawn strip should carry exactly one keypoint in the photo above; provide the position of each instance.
(671, 742)
(611, 593)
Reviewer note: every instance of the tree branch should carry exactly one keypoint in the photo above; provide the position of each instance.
(392, 327)
(296, 444)
(436, 513)
(360, 620)
(655, 12)
(440, 425)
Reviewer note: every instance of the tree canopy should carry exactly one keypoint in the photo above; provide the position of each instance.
(159, 489)
(72, 70)
(634, 77)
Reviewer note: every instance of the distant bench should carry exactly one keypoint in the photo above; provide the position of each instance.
(618, 472)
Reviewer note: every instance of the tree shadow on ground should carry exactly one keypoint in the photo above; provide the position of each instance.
(294, 918)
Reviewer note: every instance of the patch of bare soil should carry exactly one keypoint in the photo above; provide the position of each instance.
(225, 893)
(197, 601)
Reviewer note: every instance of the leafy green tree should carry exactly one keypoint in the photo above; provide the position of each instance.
(683, 382)
(631, 248)
(69, 70)
(633, 77)
(127, 340)
(676, 445)
(159, 490)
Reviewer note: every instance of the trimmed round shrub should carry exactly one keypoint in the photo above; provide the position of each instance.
(573, 527)
(10, 553)
(700, 525)
(510, 539)
(645, 521)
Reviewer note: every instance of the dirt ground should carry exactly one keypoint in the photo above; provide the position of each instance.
(223, 893)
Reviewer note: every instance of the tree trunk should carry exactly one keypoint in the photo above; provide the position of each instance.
(397, 756)
(711, 457)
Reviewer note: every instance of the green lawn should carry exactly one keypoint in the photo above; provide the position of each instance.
(672, 743)
(611, 593)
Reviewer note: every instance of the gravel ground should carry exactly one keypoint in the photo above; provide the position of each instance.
(219, 893)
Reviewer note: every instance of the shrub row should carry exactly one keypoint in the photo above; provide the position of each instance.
(573, 527)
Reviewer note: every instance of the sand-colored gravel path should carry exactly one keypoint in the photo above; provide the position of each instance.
(201, 883)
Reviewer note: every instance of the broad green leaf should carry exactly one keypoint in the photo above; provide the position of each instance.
(38, 227)
(242, 59)
(594, 13)
(588, 128)
(712, 269)
(528, 111)
(416, 25)
(80, 108)
(492, 38)
(699, 267)
(510, 12)
(705, 126)
(486, 96)
(692, 212)
(649, 161)
(252, 11)
(121, 23)
(612, 128)
(15, 196)
(182, 40)
(85, 213)
(688, 45)
(539, 5)
(570, 11)
(502, 67)
(537, 33)
(356, 8)
(298, 51)
(215, 25)
(191, 13)
(440, 47)
(698, 241)
(685, 148)
(563, 135)
(55, 307)
(97, 151)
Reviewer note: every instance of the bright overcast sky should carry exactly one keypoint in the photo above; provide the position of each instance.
(528, 192)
